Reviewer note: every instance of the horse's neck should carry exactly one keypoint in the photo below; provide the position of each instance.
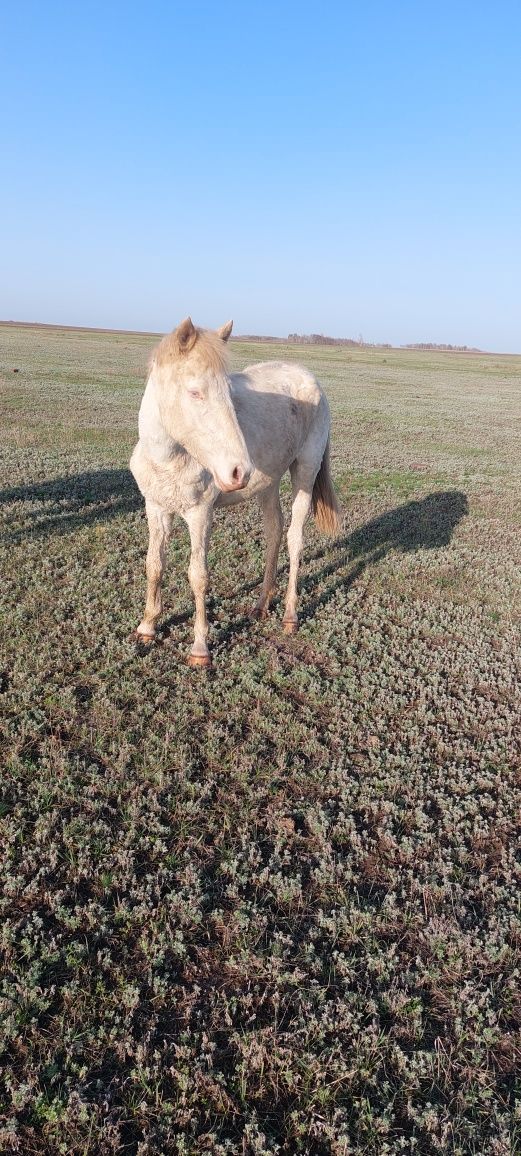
(156, 442)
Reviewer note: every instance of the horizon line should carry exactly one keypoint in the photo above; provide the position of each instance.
(440, 347)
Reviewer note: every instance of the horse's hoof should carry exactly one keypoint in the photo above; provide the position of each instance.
(260, 613)
(289, 627)
(199, 660)
(146, 639)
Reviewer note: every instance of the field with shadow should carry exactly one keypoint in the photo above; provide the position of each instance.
(273, 908)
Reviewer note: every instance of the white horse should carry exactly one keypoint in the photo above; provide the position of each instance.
(207, 439)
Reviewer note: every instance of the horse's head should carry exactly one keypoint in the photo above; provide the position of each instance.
(190, 368)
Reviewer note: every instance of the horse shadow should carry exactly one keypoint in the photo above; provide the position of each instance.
(65, 504)
(422, 524)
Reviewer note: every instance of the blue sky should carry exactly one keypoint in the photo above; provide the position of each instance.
(339, 168)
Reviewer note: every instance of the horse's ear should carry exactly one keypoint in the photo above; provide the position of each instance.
(186, 334)
(225, 330)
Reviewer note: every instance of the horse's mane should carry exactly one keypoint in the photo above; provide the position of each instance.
(211, 351)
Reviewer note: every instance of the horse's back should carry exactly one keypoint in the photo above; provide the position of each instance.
(282, 378)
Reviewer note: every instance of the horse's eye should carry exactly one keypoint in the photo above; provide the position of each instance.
(196, 393)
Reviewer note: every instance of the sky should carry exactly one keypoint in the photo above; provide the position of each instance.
(352, 169)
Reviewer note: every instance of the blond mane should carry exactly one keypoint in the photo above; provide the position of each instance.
(208, 350)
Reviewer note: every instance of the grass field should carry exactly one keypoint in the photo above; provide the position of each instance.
(274, 908)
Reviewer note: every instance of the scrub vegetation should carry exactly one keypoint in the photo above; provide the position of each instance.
(272, 908)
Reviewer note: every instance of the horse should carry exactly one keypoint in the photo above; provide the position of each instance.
(209, 439)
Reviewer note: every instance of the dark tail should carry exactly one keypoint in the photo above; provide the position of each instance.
(326, 510)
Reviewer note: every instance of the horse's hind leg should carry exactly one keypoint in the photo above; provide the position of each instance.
(160, 529)
(273, 526)
(302, 485)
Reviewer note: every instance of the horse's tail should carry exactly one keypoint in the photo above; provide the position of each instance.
(326, 510)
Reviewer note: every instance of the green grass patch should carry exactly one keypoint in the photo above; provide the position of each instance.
(400, 483)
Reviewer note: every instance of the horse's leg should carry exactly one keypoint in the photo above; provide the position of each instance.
(302, 485)
(160, 529)
(273, 525)
(199, 522)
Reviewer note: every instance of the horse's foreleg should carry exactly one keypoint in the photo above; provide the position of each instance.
(160, 529)
(199, 522)
(273, 526)
(300, 511)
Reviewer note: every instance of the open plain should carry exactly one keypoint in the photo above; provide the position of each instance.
(273, 908)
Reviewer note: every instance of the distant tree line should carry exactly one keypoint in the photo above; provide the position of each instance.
(321, 339)
(350, 342)
(434, 345)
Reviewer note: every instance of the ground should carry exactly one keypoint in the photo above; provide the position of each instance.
(274, 908)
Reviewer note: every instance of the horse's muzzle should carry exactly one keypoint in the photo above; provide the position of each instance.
(239, 478)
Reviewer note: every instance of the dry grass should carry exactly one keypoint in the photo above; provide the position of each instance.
(273, 910)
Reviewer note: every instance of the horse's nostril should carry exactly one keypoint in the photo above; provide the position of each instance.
(237, 475)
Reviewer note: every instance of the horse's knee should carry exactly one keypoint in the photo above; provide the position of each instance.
(198, 578)
(154, 571)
